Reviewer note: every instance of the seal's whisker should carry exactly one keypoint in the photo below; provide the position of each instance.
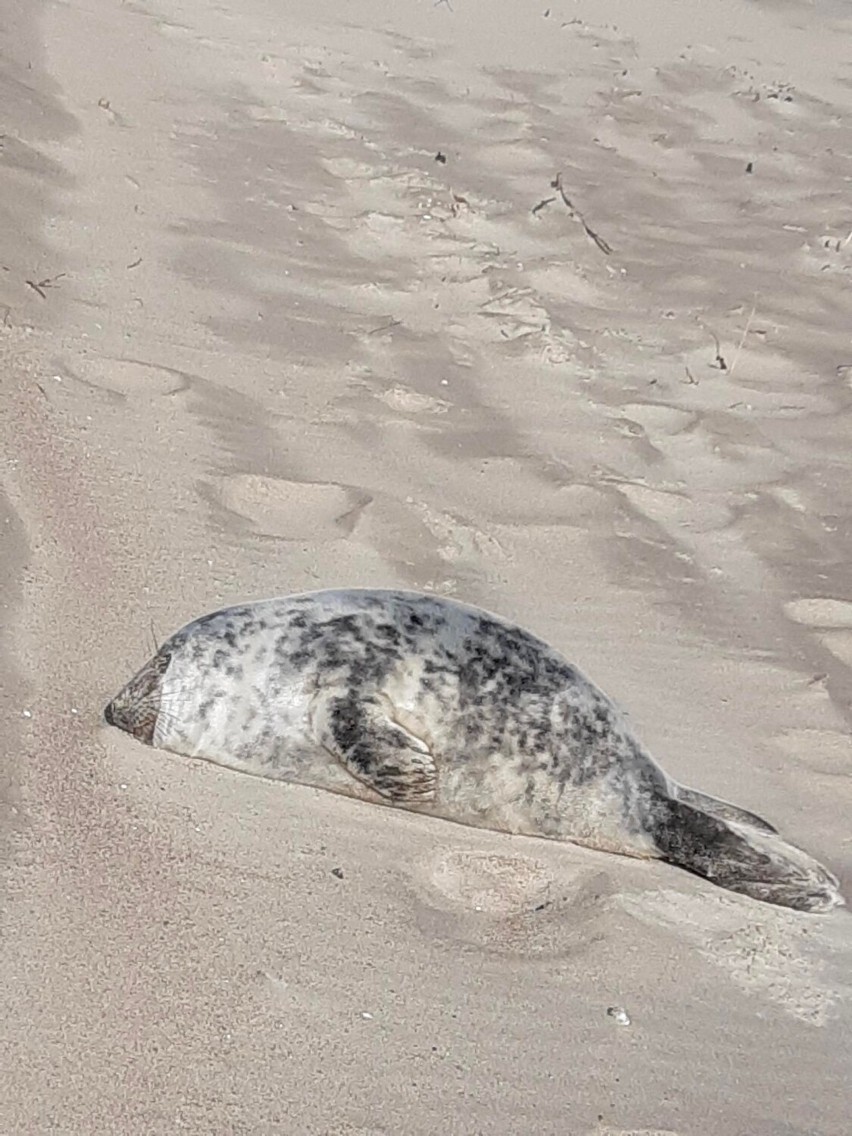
(168, 719)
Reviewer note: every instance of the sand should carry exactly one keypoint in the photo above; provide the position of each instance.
(288, 299)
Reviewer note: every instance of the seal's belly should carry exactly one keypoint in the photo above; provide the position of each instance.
(495, 766)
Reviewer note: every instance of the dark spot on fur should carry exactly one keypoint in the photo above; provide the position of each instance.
(347, 723)
(387, 633)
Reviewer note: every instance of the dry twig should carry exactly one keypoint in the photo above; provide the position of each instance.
(40, 285)
(536, 209)
(385, 327)
(576, 215)
(720, 360)
(742, 340)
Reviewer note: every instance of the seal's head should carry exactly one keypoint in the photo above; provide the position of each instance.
(135, 708)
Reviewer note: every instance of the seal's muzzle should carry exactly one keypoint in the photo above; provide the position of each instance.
(135, 708)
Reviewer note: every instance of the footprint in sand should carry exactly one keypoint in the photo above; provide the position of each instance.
(485, 881)
(133, 376)
(827, 752)
(458, 539)
(509, 905)
(408, 401)
(294, 510)
(840, 645)
(674, 511)
(833, 617)
(607, 1131)
(657, 418)
(820, 612)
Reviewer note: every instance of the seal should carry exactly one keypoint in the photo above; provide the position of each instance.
(427, 704)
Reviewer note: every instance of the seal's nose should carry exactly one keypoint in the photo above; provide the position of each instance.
(109, 716)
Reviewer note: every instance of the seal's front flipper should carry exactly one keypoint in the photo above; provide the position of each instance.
(760, 865)
(385, 757)
(722, 810)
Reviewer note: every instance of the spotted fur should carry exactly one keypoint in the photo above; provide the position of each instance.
(432, 705)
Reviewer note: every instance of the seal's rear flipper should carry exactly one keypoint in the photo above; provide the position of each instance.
(758, 865)
(358, 732)
(722, 810)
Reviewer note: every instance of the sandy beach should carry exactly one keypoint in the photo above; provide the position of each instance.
(544, 307)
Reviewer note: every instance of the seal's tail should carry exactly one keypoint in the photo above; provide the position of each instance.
(721, 810)
(746, 860)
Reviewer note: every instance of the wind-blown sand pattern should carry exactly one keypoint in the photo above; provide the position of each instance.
(257, 338)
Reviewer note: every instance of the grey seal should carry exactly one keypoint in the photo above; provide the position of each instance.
(428, 704)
